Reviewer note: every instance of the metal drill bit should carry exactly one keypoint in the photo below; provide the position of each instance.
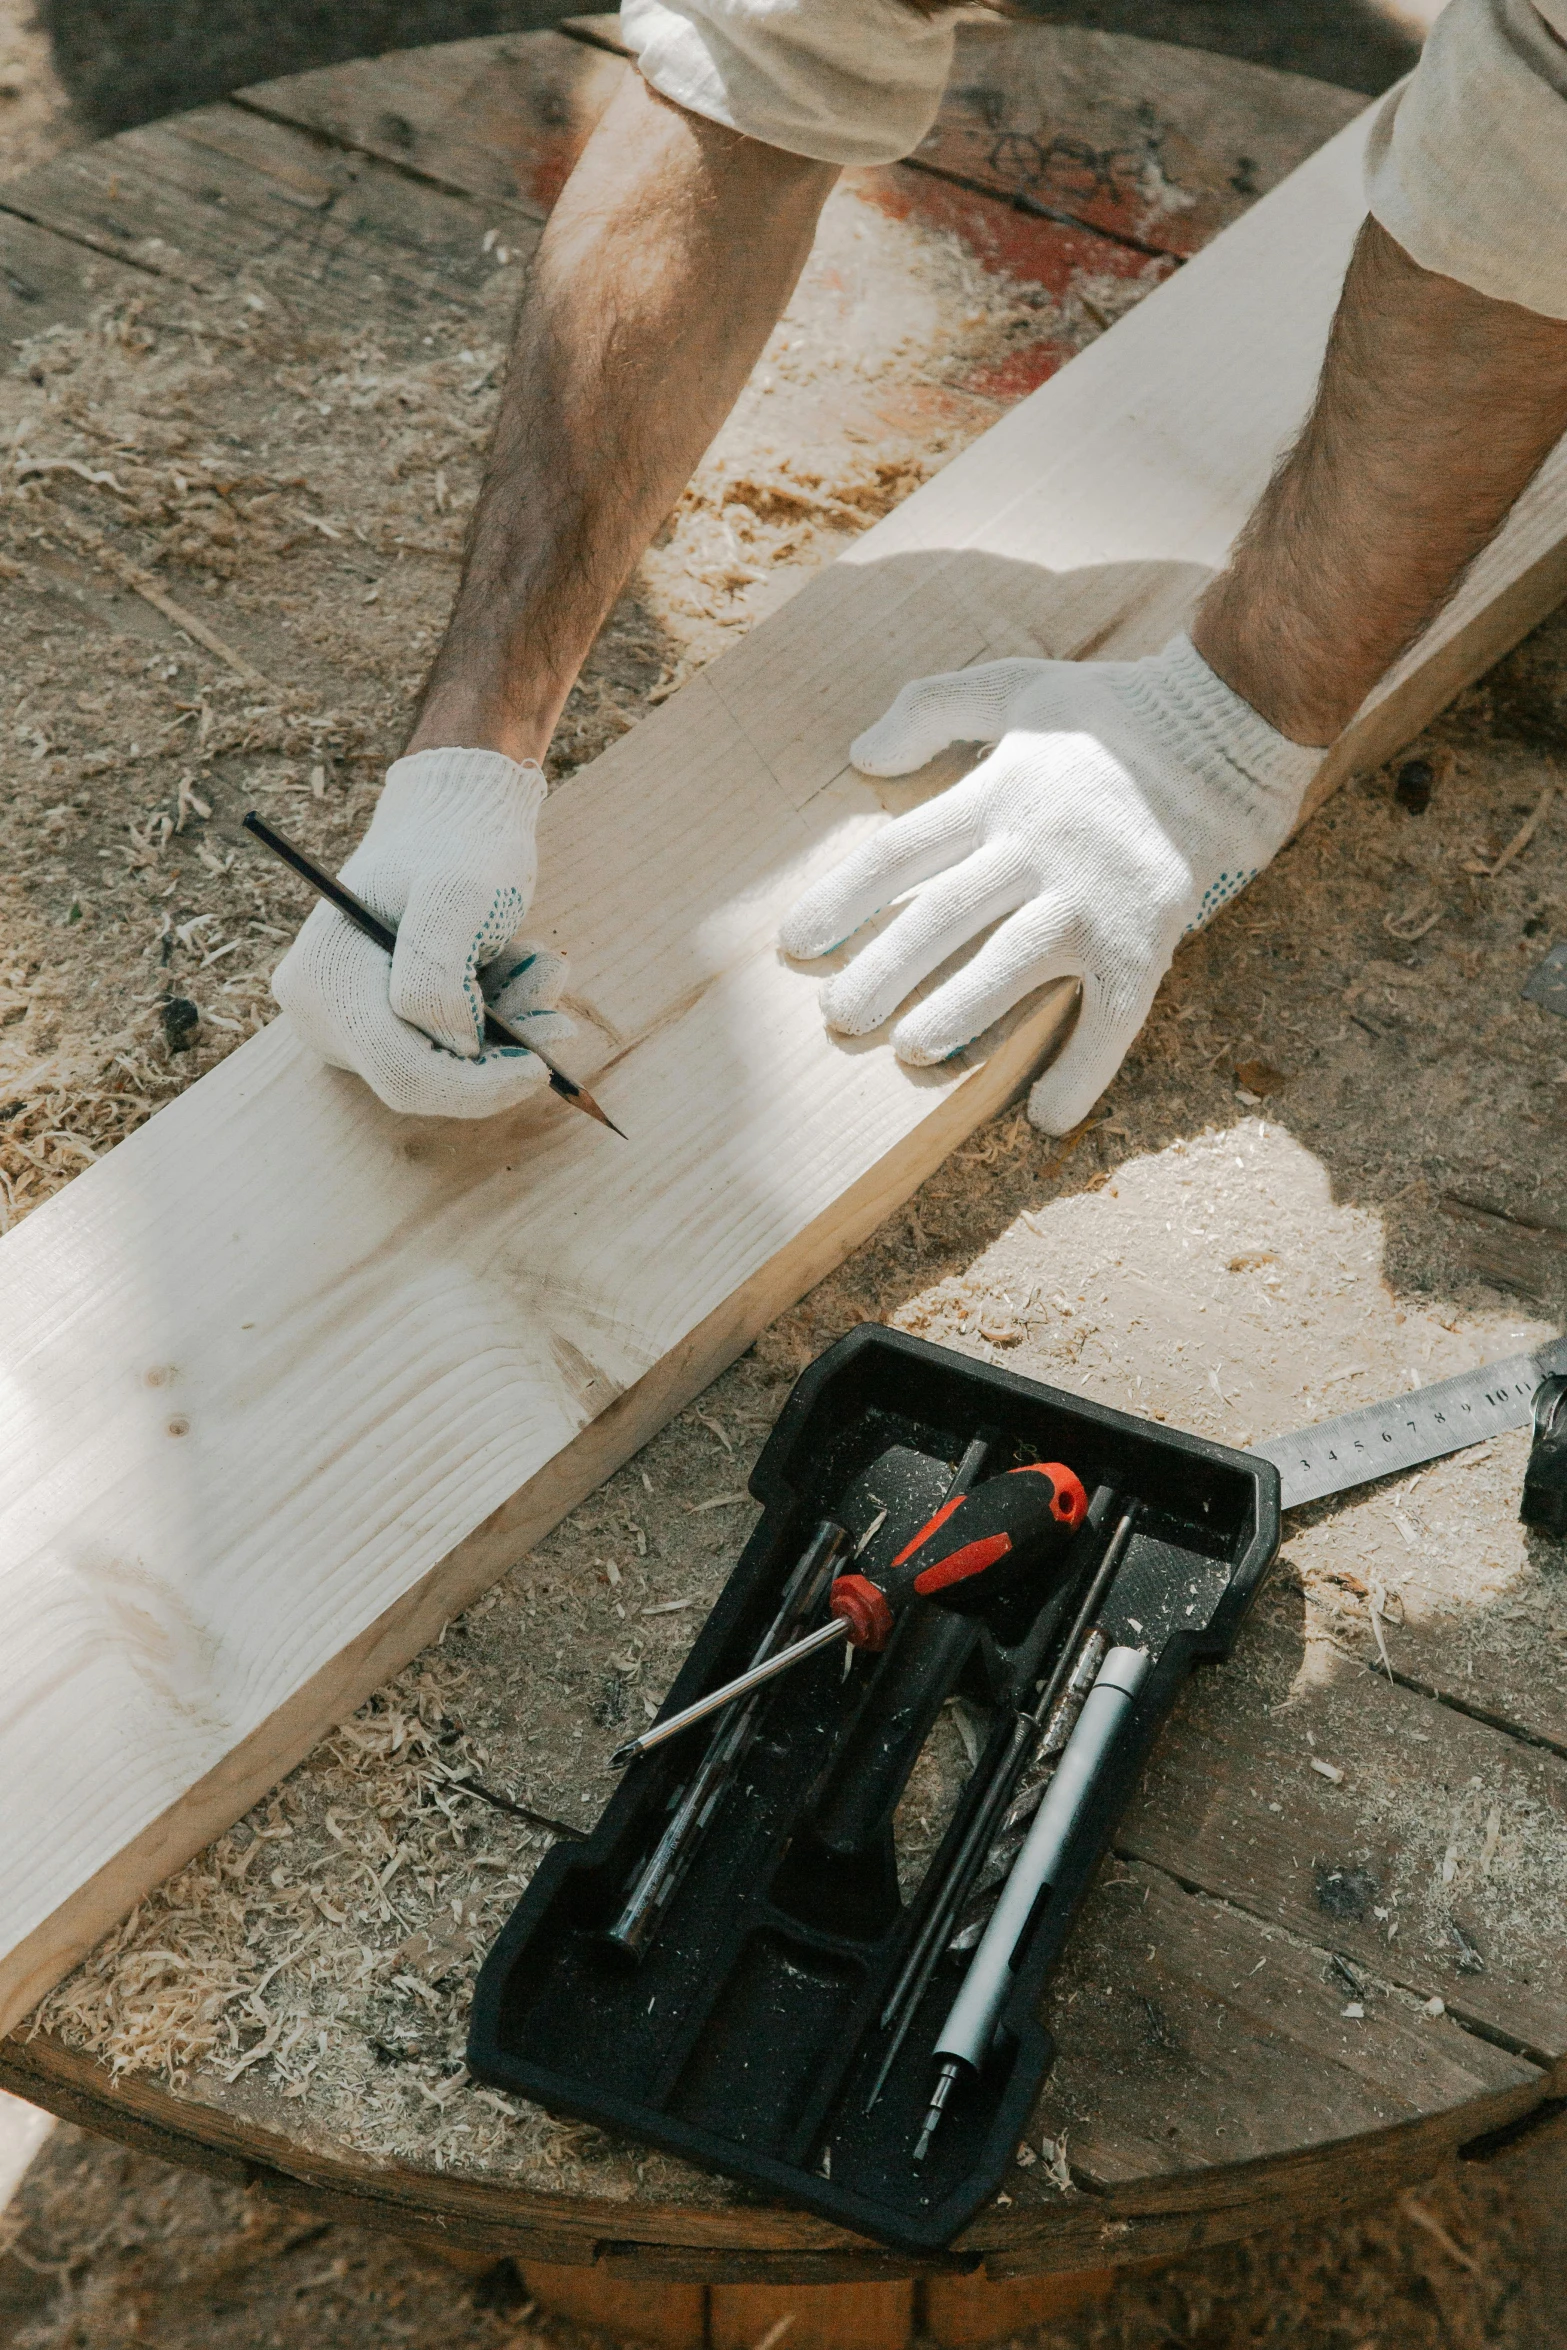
(655, 1883)
(938, 2105)
(1008, 1840)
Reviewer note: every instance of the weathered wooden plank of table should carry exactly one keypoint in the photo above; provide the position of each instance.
(228, 203)
(1141, 140)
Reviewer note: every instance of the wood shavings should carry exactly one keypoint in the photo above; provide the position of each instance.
(1414, 922)
(26, 466)
(1411, 2205)
(1521, 838)
(262, 2049)
(142, 583)
(1378, 1598)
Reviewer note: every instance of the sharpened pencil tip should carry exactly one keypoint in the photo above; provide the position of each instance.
(580, 1099)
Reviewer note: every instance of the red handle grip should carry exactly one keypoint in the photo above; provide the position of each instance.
(1009, 1525)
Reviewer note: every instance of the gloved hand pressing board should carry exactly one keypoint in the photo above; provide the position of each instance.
(450, 862)
(1123, 804)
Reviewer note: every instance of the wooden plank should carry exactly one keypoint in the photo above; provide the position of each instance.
(204, 1566)
(1161, 145)
(1157, 2076)
(812, 2317)
(1508, 1252)
(674, 2317)
(1235, 1801)
(502, 119)
(222, 197)
(46, 280)
(962, 2313)
(855, 2263)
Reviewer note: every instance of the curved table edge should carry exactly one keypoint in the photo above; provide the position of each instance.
(759, 2244)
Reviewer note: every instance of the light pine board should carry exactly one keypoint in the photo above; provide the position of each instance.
(287, 1380)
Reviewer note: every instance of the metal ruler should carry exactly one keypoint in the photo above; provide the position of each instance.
(1380, 1439)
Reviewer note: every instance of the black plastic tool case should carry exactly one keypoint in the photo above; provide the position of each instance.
(747, 2036)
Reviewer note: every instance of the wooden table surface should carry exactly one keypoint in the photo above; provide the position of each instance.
(1325, 1953)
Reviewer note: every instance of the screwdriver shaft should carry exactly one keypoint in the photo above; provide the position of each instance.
(825, 1636)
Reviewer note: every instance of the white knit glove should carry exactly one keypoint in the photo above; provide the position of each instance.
(449, 860)
(1126, 800)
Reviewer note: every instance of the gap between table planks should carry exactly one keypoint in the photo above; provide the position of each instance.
(1074, 528)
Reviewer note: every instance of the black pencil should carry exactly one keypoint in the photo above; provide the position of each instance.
(499, 1031)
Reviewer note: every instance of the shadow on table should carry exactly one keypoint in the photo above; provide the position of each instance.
(128, 61)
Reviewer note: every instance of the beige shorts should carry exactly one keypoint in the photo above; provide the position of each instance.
(1468, 160)
(844, 81)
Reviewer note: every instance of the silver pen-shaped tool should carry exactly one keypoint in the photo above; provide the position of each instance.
(971, 2021)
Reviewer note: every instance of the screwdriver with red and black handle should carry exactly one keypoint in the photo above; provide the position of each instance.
(973, 1548)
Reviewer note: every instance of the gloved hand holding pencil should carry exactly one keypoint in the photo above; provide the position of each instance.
(449, 862)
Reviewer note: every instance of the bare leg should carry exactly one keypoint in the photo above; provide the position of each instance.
(666, 263)
(1436, 407)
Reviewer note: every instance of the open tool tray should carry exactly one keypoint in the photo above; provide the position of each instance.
(747, 2034)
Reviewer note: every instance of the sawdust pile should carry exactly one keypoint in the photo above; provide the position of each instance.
(332, 1938)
